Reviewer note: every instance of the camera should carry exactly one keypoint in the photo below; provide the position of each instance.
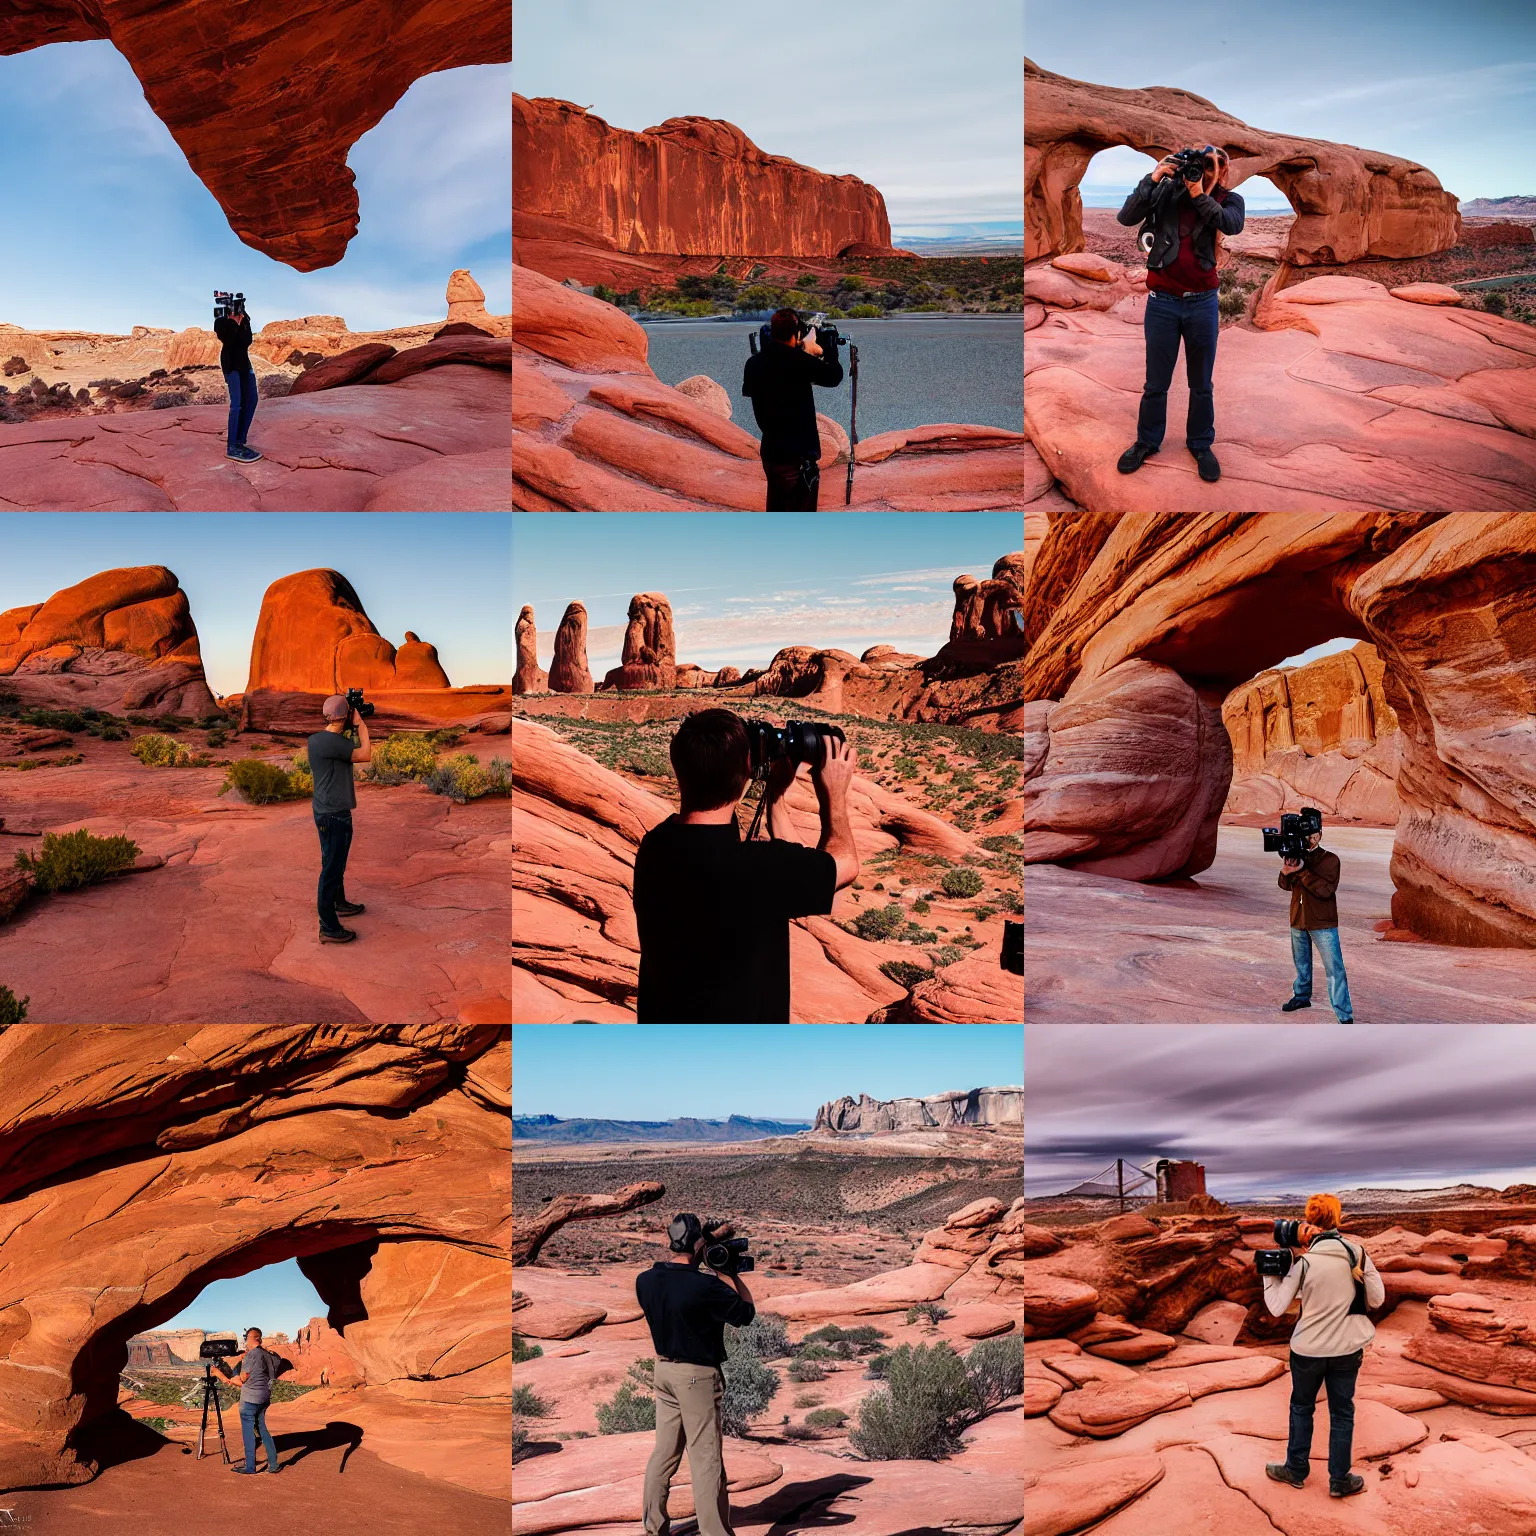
(1190, 164)
(796, 741)
(725, 1253)
(1289, 839)
(227, 306)
(356, 705)
(214, 1349)
(1012, 956)
(828, 337)
(1274, 1262)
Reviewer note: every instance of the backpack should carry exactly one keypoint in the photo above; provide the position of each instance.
(1357, 1308)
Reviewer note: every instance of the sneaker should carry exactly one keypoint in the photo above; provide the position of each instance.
(1134, 457)
(341, 936)
(235, 1466)
(1210, 467)
(1295, 1003)
(1283, 1474)
(349, 908)
(236, 453)
(249, 455)
(1346, 1021)
(1342, 1487)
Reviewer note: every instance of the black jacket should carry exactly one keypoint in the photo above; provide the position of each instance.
(235, 355)
(1162, 198)
(778, 382)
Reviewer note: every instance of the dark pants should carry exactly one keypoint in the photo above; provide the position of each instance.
(242, 404)
(1308, 1373)
(793, 487)
(253, 1417)
(1197, 320)
(335, 829)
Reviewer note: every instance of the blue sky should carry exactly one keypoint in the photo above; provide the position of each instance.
(1452, 87)
(441, 574)
(902, 93)
(768, 1071)
(744, 585)
(108, 228)
(277, 1299)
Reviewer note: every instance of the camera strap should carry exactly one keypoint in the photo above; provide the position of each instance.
(1358, 1306)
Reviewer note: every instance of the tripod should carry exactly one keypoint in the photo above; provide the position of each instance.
(211, 1395)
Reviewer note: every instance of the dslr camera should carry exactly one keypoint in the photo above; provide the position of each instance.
(357, 706)
(1192, 163)
(1289, 839)
(796, 741)
(726, 1253)
(227, 306)
(828, 337)
(216, 1349)
(1277, 1261)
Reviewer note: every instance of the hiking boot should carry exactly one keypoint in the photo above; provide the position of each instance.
(1295, 1003)
(1134, 457)
(341, 936)
(1283, 1474)
(1342, 1487)
(1210, 467)
(349, 908)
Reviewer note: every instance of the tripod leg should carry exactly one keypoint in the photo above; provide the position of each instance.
(203, 1427)
(218, 1413)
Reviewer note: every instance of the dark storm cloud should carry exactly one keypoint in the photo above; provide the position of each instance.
(1271, 1109)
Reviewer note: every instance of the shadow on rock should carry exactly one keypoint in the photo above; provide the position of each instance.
(115, 1438)
(802, 1506)
(337, 1432)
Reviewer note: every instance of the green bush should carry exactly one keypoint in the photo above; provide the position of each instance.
(401, 757)
(806, 1370)
(72, 859)
(815, 1351)
(54, 719)
(1232, 304)
(830, 1333)
(961, 882)
(156, 751)
(905, 973)
(462, 779)
(807, 280)
(749, 1388)
(826, 1418)
(519, 1441)
(300, 775)
(1494, 301)
(929, 1309)
(217, 738)
(13, 1010)
(920, 908)
(865, 312)
(995, 1368)
(905, 767)
(523, 1350)
(605, 293)
(644, 1372)
(876, 1368)
(262, 783)
(766, 1337)
(879, 922)
(628, 1411)
(926, 1402)
(110, 730)
(528, 1403)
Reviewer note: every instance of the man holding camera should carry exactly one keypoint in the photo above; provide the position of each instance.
(331, 756)
(713, 912)
(1187, 206)
(232, 326)
(1312, 881)
(778, 382)
(259, 1368)
(1337, 1283)
(687, 1312)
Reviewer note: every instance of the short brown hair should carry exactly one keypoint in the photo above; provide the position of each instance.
(711, 759)
(785, 325)
(1324, 1211)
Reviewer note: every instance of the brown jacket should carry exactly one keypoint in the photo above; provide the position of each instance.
(1312, 888)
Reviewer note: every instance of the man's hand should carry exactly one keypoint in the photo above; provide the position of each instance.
(810, 344)
(832, 776)
(781, 825)
(834, 773)
(1291, 867)
(1164, 167)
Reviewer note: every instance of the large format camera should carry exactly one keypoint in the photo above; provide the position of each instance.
(357, 706)
(215, 1349)
(227, 306)
(724, 1252)
(796, 741)
(1289, 839)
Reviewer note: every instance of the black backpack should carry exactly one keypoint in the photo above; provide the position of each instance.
(1357, 1308)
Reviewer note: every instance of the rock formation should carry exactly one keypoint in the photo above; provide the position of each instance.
(594, 430)
(320, 1357)
(265, 112)
(568, 672)
(530, 1233)
(378, 1156)
(976, 1106)
(120, 640)
(1322, 734)
(990, 610)
(1350, 203)
(529, 677)
(1134, 621)
(650, 652)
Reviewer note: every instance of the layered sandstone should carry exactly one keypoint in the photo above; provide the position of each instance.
(650, 650)
(568, 671)
(975, 1106)
(529, 677)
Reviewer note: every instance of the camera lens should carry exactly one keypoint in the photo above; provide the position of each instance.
(1288, 1233)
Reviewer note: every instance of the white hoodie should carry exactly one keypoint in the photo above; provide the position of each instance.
(1323, 1277)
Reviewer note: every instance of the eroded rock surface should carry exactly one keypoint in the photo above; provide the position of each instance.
(568, 672)
(650, 651)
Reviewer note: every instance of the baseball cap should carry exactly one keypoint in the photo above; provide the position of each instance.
(335, 707)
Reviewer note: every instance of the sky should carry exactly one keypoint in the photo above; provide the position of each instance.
(277, 1299)
(765, 1071)
(109, 228)
(1270, 1110)
(745, 585)
(892, 91)
(441, 574)
(1451, 87)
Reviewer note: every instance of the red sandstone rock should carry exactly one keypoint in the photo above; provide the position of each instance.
(529, 677)
(345, 368)
(650, 652)
(568, 671)
(990, 610)
(320, 1357)
(554, 1320)
(529, 1234)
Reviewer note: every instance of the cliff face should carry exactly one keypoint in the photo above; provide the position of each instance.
(693, 185)
(940, 1111)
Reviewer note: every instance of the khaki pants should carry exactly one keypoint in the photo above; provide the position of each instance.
(688, 1412)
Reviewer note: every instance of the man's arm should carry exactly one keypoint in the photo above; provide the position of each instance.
(739, 1285)
(363, 751)
(1138, 205)
(1280, 1290)
(1375, 1286)
(1323, 878)
(781, 824)
(832, 776)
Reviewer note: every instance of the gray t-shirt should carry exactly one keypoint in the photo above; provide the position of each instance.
(260, 1367)
(330, 760)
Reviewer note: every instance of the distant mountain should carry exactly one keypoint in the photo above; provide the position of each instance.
(965, 245)
(1500, 207)
(737, 1128)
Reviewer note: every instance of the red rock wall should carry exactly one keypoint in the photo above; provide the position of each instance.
(692, 185)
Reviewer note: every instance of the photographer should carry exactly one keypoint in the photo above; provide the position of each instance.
(234, 331)
(778, 382)
(687, 1313)
(713, 912)
(1328, 1343)
(1315, 920)
(1189, 206)
(331, 755)
(259, 1368)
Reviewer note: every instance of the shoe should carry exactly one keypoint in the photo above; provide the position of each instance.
(1341, 1488)
(250, 455)
(341, 936)
(236, 454)
(1134, 457)
(1346, 1021)
(349, 908)
(1283, 1474)
(235, 1466)
(1295, 1003)
(1210, 467)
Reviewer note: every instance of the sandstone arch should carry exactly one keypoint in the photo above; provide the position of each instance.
(1140, 624)
(1350, 203)
(139, 1163)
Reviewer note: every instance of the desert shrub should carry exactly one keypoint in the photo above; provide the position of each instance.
(865, 312)
(69, 860)
(806, 1370)
(300, 775)
(749, 1387)
(946, 954)
(875, 1369)
(261, 783)
(915, 933)
(1232, 303)
(627, 1411)
(644, 1371)
(995, 1369)
(905, 973)
(401, 757)
(798, 1432)
(27, 764)
(918, 1416)
(807, 280)
(110, 730)
(157, 751)
(961, 882)
(166, 399)
(806, 1400)
(54, 719)
(217, 738)
(13, 1009)
(920, 908)
(929, 1309)
(863, 1338)
(826, 1418)
(449, 736)
(906, 767)
(528, 1403)
(766, 1337)
(523, 1350)
(461, 778)
(879, 922)
(605, 293)
(271, 387)
(983, 912)
(519, 1441)
(816, 1350)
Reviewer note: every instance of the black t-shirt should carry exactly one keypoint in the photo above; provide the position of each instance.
(778, 381)
(235, 355)
(687, 1311)
(713, 914)
(330, 761)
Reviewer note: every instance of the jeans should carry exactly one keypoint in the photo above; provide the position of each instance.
(253, 1416)
(335, 829)
(1308, 1373)
(1197, 321)
(242, 404)
(1327, 941)
(793, 487)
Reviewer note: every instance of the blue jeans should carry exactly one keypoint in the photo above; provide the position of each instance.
(242, 404)
(253, 1416)
(1168, 319)
(1327, 941)
(1308, 1373)
(335, 829)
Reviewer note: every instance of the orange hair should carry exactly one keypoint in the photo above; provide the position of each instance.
(1324, 1211)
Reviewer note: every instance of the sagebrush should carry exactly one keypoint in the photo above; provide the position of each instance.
(66, 861)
